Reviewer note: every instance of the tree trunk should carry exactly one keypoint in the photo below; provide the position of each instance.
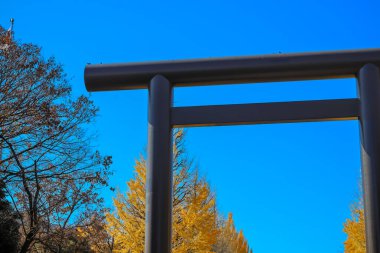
(28, 241)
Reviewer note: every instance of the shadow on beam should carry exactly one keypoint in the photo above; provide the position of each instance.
(264, 113)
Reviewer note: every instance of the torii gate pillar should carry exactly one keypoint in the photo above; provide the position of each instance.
(159, 176)
(369, 92)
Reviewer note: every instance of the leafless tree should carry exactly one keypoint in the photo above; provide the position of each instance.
(51, 170)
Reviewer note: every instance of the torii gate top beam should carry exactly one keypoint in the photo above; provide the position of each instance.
(266, 68)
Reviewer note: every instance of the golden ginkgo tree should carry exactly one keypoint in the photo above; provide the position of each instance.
(196, 224)
(355, 230)
(229, 239)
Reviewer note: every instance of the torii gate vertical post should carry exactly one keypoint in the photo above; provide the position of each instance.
(360, 64)
(369, 92)
(158, 215)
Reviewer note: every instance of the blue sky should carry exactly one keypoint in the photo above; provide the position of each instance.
(289, 186)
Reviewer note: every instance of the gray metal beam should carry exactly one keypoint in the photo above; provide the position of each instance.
(266, 68)
(369, 92)
(261, 113)
(159, 176)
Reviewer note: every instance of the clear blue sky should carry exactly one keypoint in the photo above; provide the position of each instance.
(289, 186)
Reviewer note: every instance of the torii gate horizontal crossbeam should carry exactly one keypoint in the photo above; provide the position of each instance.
(265, 113)
(267, 68)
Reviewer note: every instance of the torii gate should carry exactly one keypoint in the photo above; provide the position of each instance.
(161, 77)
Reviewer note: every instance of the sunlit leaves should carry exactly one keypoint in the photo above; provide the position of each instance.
(196, 223)
(355, 230)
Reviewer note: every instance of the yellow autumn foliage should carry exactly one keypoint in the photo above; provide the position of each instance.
(194, 224)
(230, 240)
(127, 225)
(355, 230)
(194, 211)
(97, 237)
